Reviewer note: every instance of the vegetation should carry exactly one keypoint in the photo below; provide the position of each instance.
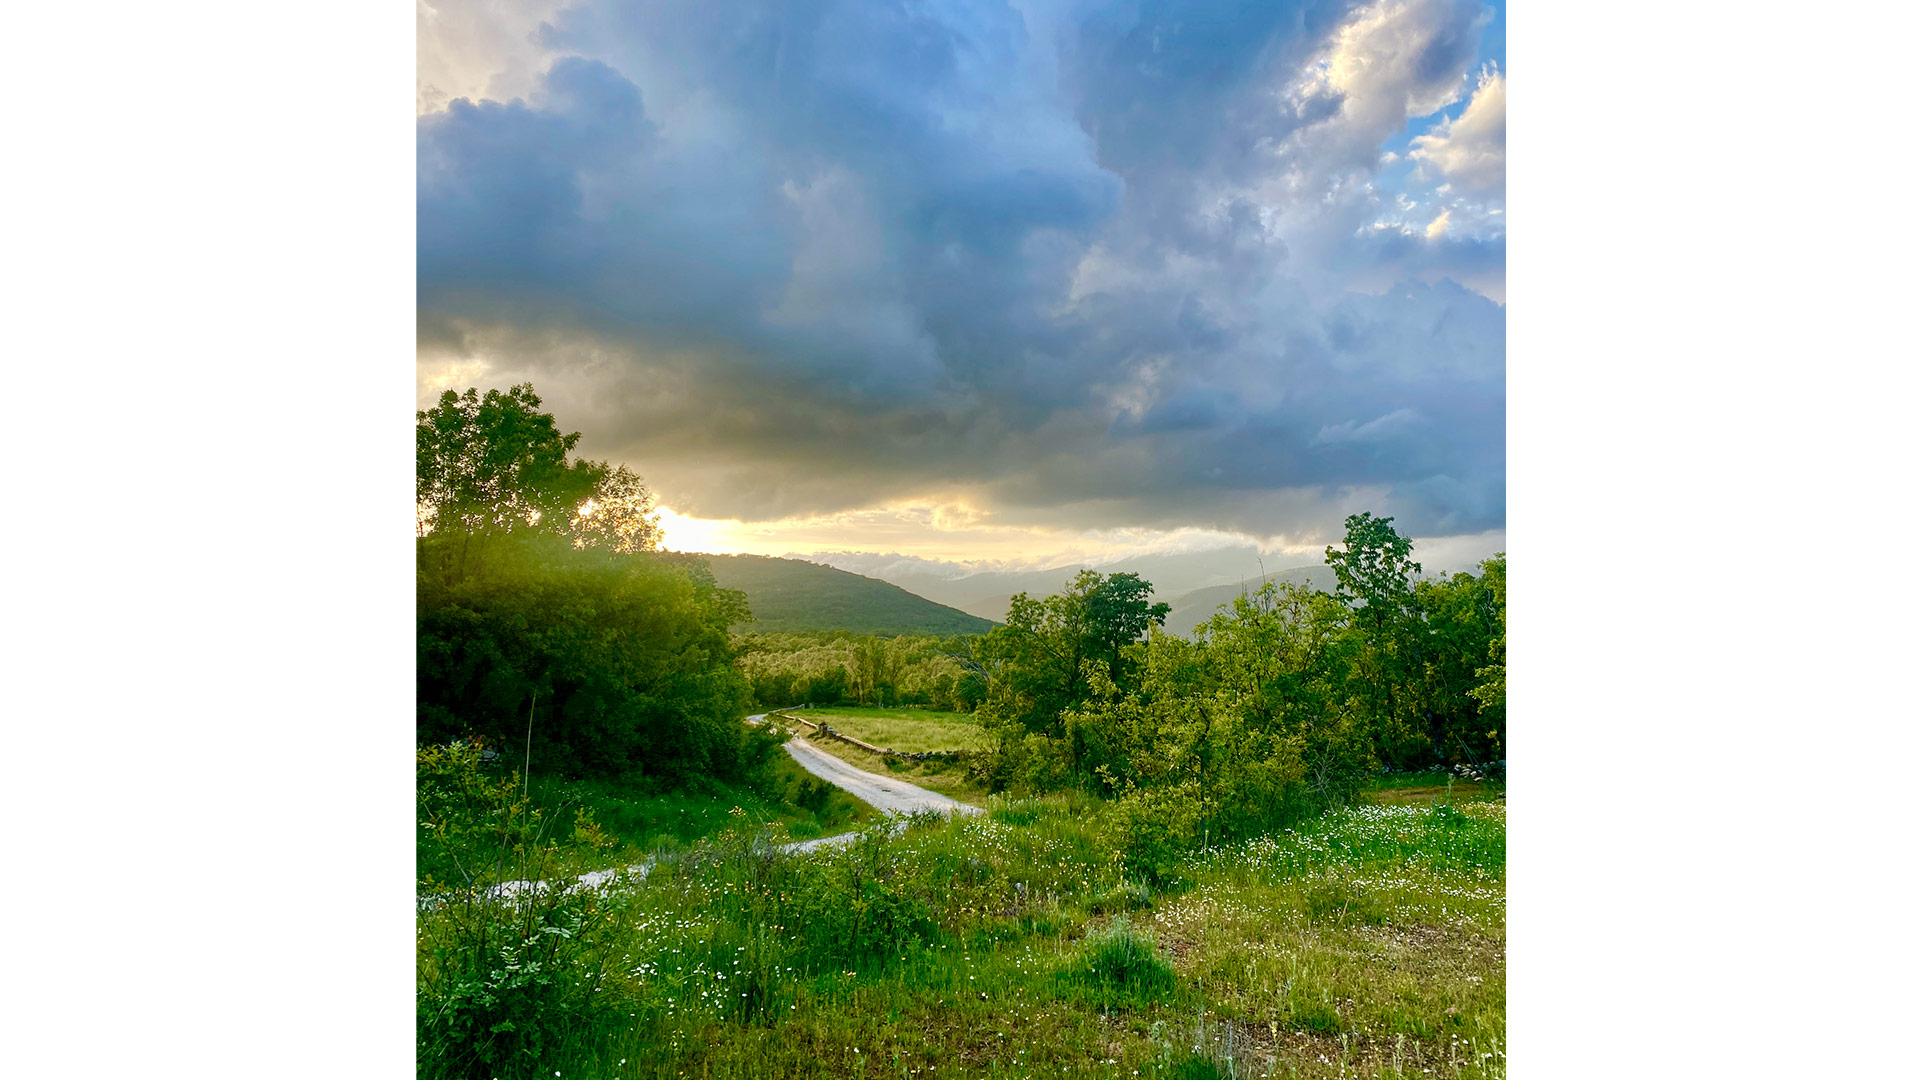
(1279, 707)
(642, 820)
(1368, 942)
(1247, 852)
(791, 596)
(839, 668)
(546, 627)
(910, 731)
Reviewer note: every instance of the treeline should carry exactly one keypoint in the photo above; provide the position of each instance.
(1278, 706)
(841, 668)
(548, 627)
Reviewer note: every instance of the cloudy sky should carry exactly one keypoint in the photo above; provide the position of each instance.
(982, 280)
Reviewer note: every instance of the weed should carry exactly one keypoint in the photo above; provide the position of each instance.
(1122, 965)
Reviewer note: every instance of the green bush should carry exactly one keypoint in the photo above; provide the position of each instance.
(1121, 965)
(1155, 828)
(512, 967)
(1125, 895)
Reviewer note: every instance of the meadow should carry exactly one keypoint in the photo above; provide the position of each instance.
(910, 731)
(1368, 942)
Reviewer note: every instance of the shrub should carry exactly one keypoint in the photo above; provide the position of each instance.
(1122, 965)
(1154, 828)
(1125, 895)
(511, 967)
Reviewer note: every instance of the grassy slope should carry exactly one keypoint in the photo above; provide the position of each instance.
(1370, 943)
(641, 821)
(909, 731)
(792, 596)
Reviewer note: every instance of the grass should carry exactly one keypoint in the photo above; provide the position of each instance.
(910, 731)
(640, 820)
(1424, 788)
(1370, 942)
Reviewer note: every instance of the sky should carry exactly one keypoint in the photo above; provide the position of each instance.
(992, 283)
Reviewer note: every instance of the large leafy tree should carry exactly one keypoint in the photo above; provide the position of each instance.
(1040, 656)
(1374, 577)
(494, 465)
(1459, 620)
(497, 464)
(546, 617)
(1491, 693)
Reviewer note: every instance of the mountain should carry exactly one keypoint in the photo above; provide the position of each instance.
(1192, 609)
(792, 596)
(987, 593)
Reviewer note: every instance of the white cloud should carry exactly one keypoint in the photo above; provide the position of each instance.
(477, 48)
(1471, 149)
(1392, 61)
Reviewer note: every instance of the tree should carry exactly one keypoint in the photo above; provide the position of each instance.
(541, 603)
(495, 465)
(1458, 624)
(1492, 691)
(1375, 580)
(619, 517)
(1039, 656)
(1375, 571)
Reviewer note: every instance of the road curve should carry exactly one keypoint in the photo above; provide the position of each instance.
(883, 793)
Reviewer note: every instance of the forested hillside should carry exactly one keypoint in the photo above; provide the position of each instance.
(792, 596)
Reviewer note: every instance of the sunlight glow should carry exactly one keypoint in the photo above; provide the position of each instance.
(947, 532)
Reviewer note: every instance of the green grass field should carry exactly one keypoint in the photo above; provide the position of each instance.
(910, 731)
(1368, 943)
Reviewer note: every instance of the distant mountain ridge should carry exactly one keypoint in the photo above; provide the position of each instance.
(794, 596)
(987, 594)
(1192, 609)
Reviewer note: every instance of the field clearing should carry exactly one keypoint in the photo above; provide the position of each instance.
(1368, 943)
(910, 731)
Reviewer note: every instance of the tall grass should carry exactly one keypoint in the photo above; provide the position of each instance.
(1016, 944)
(641, 819)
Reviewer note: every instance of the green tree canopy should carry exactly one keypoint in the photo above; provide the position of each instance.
(1037, 660)
(495, 465)
(545, 616)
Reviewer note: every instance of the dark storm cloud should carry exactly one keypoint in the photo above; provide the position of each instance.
(797, 258)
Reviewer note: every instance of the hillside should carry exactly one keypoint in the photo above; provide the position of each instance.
(1175, 577)
(1193, 608)
(791, 596)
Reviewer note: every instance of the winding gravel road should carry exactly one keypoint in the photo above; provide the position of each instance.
(883, 793)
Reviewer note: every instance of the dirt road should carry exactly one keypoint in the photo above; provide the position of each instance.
(883, 793)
